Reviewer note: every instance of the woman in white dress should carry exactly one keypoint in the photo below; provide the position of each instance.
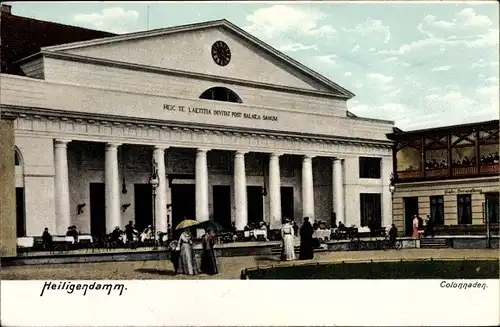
(187, 261)
(288, 249)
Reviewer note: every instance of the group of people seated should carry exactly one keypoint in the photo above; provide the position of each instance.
(131, 236)
(489, 159)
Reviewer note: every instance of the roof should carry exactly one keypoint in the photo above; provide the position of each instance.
(22, 37)
(444, 129)
(203, 25)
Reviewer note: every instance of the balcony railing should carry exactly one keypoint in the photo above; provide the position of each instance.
(456, 172)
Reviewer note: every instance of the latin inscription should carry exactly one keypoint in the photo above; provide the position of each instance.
(223, 113)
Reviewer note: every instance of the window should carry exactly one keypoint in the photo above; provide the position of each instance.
(369, 167)
(221, 94)
(464, 209)
(437, 209)
(491, 207)
(370, 209)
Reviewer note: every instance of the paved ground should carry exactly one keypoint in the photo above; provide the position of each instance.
(230, 267)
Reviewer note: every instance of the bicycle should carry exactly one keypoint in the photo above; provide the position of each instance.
(355, 244)
(387, 244)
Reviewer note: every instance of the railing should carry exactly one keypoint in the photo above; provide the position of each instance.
(490, 169)
(464, 171)
(439, 172)
(469, 171)
(411, 174)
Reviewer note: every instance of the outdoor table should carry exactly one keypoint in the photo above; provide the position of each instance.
(25, 242)
(322, 234)
(255, 233)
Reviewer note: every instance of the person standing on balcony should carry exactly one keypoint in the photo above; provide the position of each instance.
(414, 234)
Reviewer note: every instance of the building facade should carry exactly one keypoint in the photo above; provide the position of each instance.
(449, 173)
(237, 131)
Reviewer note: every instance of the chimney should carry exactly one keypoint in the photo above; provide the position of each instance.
(6, 9)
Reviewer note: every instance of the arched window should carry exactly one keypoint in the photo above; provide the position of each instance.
(221, 94)
(17, 158)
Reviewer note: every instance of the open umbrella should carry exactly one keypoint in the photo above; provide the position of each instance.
(186, 223)
(213, 225)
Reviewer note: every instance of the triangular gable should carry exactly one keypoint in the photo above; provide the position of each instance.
(176, 48)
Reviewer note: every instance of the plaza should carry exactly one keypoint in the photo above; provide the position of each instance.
(229, 267)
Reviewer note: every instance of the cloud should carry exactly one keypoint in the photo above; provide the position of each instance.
(347, 74)
(395, 92)
(483, 63)
(114, 19)
(380, 78)
(293, 47)
(466, 29)
(356, 48)
(277, 20)
(392, 111)
(370, 27)
(329, 59)
(441, 68)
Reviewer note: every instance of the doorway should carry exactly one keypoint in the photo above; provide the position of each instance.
(222, 205)
(20, 215)
(411, 209)
(183, 203)
(492, 207)
(255, 205)
(97, 209)
(287, 202)
(143, 206)
(370, 209)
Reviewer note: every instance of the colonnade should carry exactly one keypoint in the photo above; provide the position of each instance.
(112, 188)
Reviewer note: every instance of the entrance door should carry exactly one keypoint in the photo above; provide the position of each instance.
(492, 207)
(20, 217)
(411, 209)
(183, 203)
(143, 205)
(222, 205)
(255, 205)
(370, 209)
(287, 202)
(97, 209)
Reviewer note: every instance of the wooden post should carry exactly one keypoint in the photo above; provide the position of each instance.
(477, 152)
(422, 146)
(449, 156)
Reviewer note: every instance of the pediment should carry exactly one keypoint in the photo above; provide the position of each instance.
(189, 49)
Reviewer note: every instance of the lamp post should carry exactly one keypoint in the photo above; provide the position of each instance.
(392, 189)
(154, 181)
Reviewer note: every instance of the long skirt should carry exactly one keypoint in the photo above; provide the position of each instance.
(306, 249)
(415, 233)
(209, 262)
(288, 251)
(187, 261)
(174, 258)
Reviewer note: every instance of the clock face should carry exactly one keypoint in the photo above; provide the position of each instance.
(221, 53)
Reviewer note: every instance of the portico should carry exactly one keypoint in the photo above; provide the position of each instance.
(258, 139)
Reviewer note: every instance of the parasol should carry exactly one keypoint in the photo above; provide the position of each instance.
(186, 223)
(213, 225)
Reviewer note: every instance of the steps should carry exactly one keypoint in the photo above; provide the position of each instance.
(433, 243)
(276, 250)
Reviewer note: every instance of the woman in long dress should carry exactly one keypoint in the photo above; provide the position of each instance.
(306, 240)
(208, 260)
(288, 252)
(415, 224)
(187, 261)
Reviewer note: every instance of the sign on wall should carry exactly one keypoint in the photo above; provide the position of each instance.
(462, 191)
(218, 112)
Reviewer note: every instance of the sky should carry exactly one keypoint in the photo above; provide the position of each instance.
(421, 65)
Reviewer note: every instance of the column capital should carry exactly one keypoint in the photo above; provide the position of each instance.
(160, 148)
(240, 152)
(307, 157)
(61, 142)
(275, 155)
(337, 160)
(202, 150)
(112, 145)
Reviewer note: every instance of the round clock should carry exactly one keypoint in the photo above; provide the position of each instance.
(221, 53)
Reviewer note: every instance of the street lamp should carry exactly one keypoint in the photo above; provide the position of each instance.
(154, 181)
(392, 186)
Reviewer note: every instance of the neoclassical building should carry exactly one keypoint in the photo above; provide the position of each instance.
(236, 130)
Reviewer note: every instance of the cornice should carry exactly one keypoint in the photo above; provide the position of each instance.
(14, 112)
(181, 73)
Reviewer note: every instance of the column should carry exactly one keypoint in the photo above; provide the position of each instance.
(112, 187)
(338, 190)
(275, 191)
(63, 218)
(240, 191)
(307, 188)
(161, 191)
(201, 180)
